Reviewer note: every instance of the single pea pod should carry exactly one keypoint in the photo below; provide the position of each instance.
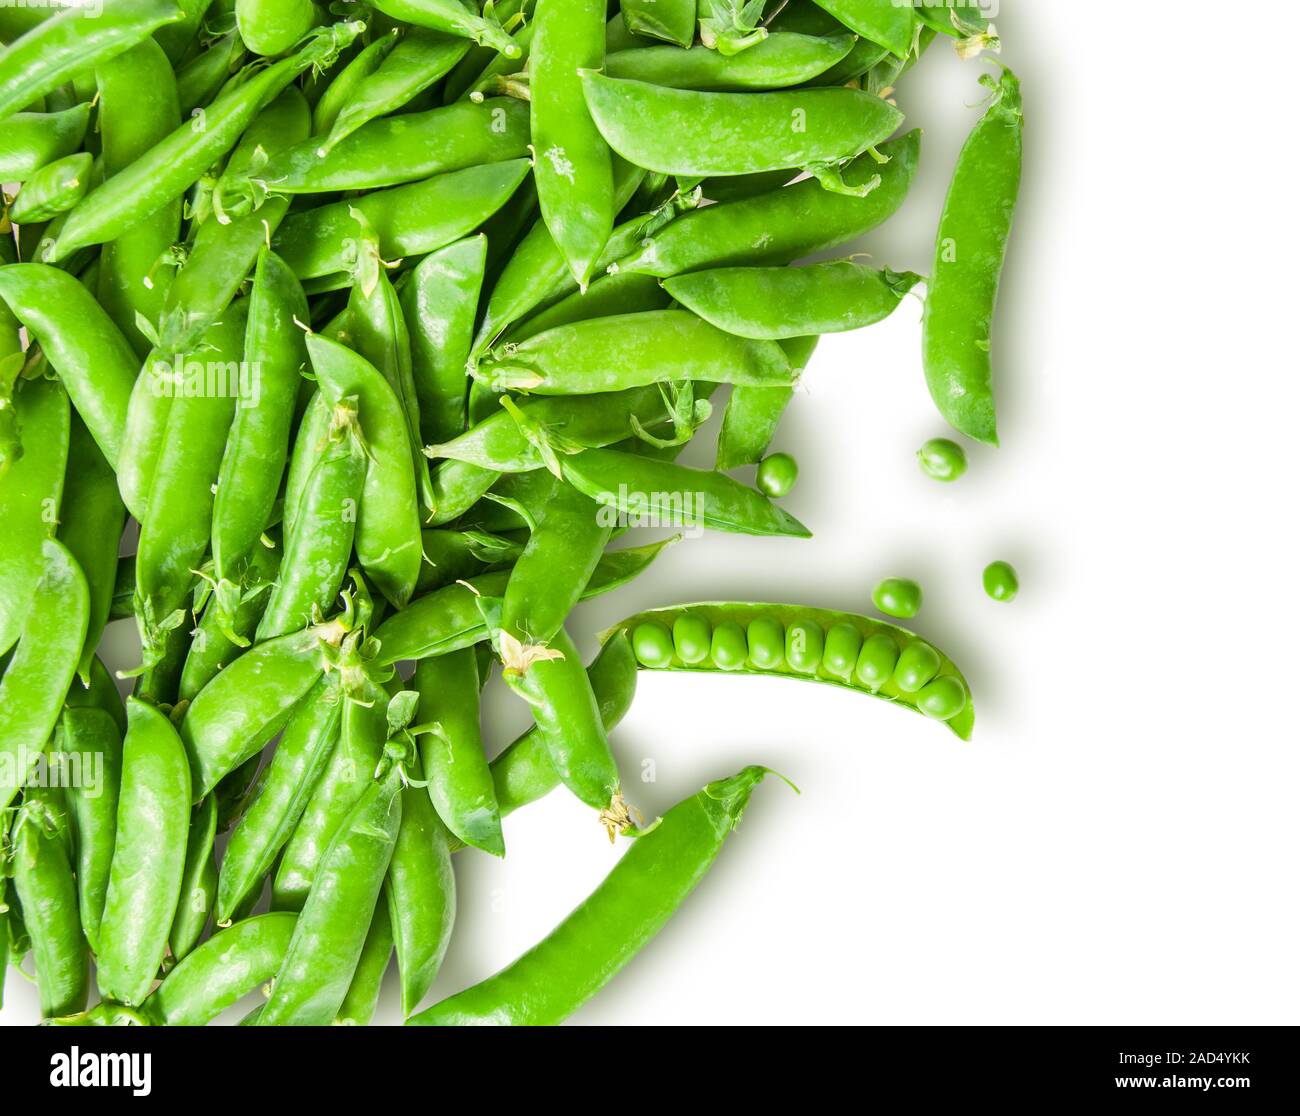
(624, 292)
(452, 18)
(779, 61)
(558, 975)
(53, 189)
(271, 27)
(753, 414)
(222, 971)
(144, 883)
(336, 88)
(331, 931)
(31, 140)
(362, 998)
(818, 645)
(308, 440)
(778, 303)
(198, 890)
(42, 667)
(969, 254)
(199, 80)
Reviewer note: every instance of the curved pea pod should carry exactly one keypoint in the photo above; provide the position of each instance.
(780, 60)
(419, 896)
(745, 133)
(639, 490)
(882, 21)
(778, 303)
(856, 652)
(53, 189)
(970, 251)
(335, 89)
(42, 667)
(296, 768)
(236, 713)
(625, 292)
(31, 140)
(558, 975)
(331, 931)
(523, 772)
(388, 525)
(782, 225)
(82, 344)
(440, 303)
(451, 556)
(753, 414)
(408, 220)
(632, 350)
(362, 998)
(308, 440)
(452, 18)
(271, 27)
(31, 493)
(198, 889)
(222, 971)
(406, 148)
(66, 44)
(457, 487)
(98, 692)
(149, 857)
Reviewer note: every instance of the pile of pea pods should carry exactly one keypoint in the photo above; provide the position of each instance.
(337, 346)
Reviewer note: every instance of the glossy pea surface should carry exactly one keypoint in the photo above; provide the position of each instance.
(653, 644)
(1001, 581)
(876, 661)
(843, 642)
(777, 475)
(897, 596)
(728, 649)
(942, 460)
(766, 643)
(692, 638)
(804, 643)
(918, 663)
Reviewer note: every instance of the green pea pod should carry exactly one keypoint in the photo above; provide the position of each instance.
(91, 742)
(780, 60)
(5, 934)
(805, 17)
(753, 414)
(308, 441)
(778, 303)
(467, 69)
(255, 455)
(198, 881)
(970, 251)
(610, 295)
(31, 140)
(670, 20)
(222, 971)
(42, 667)
(175, 533)
(173, 165)
(460, 784)
(200, 79)
(408, 220)
(388, 526)
(149, 857)
(419, 896)
(453, 18)
(632, 350)
(836, 648)
(782, 225)
(31, 492)
(138, 107)
(362, 998)
(46, 888)
(56, 187)
(319, 548)
(495, 74)
(557, 976)
(457, 487)
(731, 26)
(99, 692)
(244, 706)
(882, 21)
(419, 60)
(331, 931)
(271, 27)
(226, 248)
(458, 555)
(440, 302)
(67, 44)
(83, 346)
(342, 87)
(406, 148)
(574, 169)
(296, 768)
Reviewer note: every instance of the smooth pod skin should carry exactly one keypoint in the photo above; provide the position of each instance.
(574, 168)
(42, 667)
(406, 148)
(83, 346)
(753, 414)
(622, 293)
(408, 220)
(31, 140)
(878, 668)
(271, 27)
(222, 971)
(460, 785)
(779, 60)
(1001, 582)
(388, 524)
(199, 80)
(882, 21)
(632, 350)
(53, 189)
(782, 225)
(638, 488)
(701, 134)
(336, 88)
(144, 885)
(557, 976)
(671, 20)
(358, 1007)
(331, 931)
(785, 302)
(198, 882)
(970, 250)
(453, 18)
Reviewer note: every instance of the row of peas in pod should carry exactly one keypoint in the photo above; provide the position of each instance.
(343, 350)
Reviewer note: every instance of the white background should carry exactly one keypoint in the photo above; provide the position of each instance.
(1117, 844)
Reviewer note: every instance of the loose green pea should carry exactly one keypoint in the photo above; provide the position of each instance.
(777, 474)
(766, 643)
(918, 663)
(943, 698)
(653, 644)
(843, 642)
(941, 459)
(729, 649)
(1000, 581)
(897, 596)
(692, 636)
(804, 643)
(876, 661)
